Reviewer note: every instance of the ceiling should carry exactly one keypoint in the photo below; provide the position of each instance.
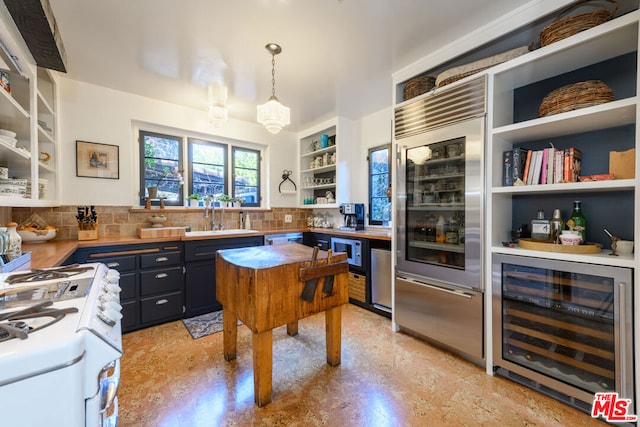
(337, 55)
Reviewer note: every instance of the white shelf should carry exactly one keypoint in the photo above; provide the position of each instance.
(320, 152)
(603, 258)
(605, 41)
(604, 116)
(327, 168)
(317, 206)
(573, 187)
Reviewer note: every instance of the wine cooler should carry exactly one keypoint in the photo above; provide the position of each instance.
(563, 328)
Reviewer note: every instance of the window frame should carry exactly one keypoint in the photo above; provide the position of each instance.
(225, 148)
(369, 178)
(258, 169)
(141, 165)
(184, 139)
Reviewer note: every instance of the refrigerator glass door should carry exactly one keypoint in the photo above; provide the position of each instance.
(440, 183)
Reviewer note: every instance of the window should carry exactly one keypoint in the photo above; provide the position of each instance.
(208, 173)
(207, 168)
(246, 175)
(162, 162)
(379, 185)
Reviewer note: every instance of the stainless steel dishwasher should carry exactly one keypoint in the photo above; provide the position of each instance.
(279, 239)
(381, 279)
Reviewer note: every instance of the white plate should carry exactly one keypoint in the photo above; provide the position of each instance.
(8, 133)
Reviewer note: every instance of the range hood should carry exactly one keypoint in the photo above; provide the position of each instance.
(37, 25)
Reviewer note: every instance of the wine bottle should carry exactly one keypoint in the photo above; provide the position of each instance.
(579, 221)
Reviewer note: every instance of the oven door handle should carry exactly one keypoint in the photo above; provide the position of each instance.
(109, 388)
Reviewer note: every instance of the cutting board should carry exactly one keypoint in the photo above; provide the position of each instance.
(150, 233)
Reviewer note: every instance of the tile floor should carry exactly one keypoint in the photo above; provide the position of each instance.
(385, 379)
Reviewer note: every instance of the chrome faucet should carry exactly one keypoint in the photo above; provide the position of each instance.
(209, 203)
(221, 218)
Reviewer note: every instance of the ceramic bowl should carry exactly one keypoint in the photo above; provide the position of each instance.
(157, 221)
(570, 239)
(36, 236)
(624, 247)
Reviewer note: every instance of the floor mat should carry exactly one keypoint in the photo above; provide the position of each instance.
(205, 324)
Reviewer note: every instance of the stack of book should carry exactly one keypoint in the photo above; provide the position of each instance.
(546, 166)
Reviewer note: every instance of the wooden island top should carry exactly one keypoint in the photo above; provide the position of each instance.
(262, 287)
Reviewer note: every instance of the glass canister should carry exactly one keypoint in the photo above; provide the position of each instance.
(15, 241)
(4, 245)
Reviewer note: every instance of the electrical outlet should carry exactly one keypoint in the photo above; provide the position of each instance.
(288, 218)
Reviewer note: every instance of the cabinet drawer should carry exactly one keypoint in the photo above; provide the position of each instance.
(128, 284)
(161, 307)
(121, 263)
(162, 259)
(200, 250)
(157, 281)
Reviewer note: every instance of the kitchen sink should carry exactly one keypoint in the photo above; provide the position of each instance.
(219, 232)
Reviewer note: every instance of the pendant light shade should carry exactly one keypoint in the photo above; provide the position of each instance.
(272, 114)
(218, 113)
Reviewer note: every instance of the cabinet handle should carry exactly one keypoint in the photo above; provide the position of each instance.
(113, 264)
(161, 275)
(162, 301)
(162, 259)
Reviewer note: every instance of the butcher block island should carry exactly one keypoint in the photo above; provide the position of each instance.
(270, 286)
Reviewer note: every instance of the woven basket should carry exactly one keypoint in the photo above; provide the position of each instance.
(575, 96)
(418, 86)
(562, 28)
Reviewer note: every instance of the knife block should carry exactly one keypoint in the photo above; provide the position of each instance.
(88, 234)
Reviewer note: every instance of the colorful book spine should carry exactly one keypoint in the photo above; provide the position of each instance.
(519, 158)
(527, 163)
(545, 167)
(558, 169)
(507, 168)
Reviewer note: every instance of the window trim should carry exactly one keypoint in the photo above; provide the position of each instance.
(389, 159)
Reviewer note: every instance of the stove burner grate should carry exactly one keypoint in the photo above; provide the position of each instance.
(38, 275)
(12, 325)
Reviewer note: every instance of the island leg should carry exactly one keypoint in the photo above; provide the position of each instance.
(333, 320)
(292, 328)
(229, 334)
(262, 367)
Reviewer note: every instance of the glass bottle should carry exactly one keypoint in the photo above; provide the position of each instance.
(579, 221)
(431, 228)
(540, 227)
(451, 235)
(15, 241)
(557, 224)
(440, 230)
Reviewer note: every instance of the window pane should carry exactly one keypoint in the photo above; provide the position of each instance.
(379, 203)
(162, 163)
(207, 168)
(246, 175)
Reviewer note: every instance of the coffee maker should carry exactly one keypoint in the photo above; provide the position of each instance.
(353, 216)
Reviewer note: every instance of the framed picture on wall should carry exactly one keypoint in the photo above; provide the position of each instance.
(96, 160)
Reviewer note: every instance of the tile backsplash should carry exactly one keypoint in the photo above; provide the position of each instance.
(124, 220)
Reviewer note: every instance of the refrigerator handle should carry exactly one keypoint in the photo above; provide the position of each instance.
(437, 288)
(623, 342)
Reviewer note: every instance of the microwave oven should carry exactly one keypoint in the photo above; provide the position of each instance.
(352, 247)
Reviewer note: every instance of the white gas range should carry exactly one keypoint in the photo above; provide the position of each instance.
(60, 346)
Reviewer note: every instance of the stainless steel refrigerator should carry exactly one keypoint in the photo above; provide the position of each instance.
(439, 287)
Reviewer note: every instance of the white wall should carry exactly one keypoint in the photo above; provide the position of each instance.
(97, 114)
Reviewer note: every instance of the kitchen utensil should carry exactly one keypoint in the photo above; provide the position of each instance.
(309, 290)
(327, 286)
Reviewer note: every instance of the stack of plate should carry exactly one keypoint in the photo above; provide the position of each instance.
(13, 187)
(42, 188)
(8, 137)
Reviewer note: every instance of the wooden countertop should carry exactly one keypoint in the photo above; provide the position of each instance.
(54, 252)
(269, 256)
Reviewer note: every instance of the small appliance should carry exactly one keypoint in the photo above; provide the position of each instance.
(353, 216)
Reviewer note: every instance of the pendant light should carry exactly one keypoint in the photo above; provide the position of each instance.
(272, 114)
(218, 113)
